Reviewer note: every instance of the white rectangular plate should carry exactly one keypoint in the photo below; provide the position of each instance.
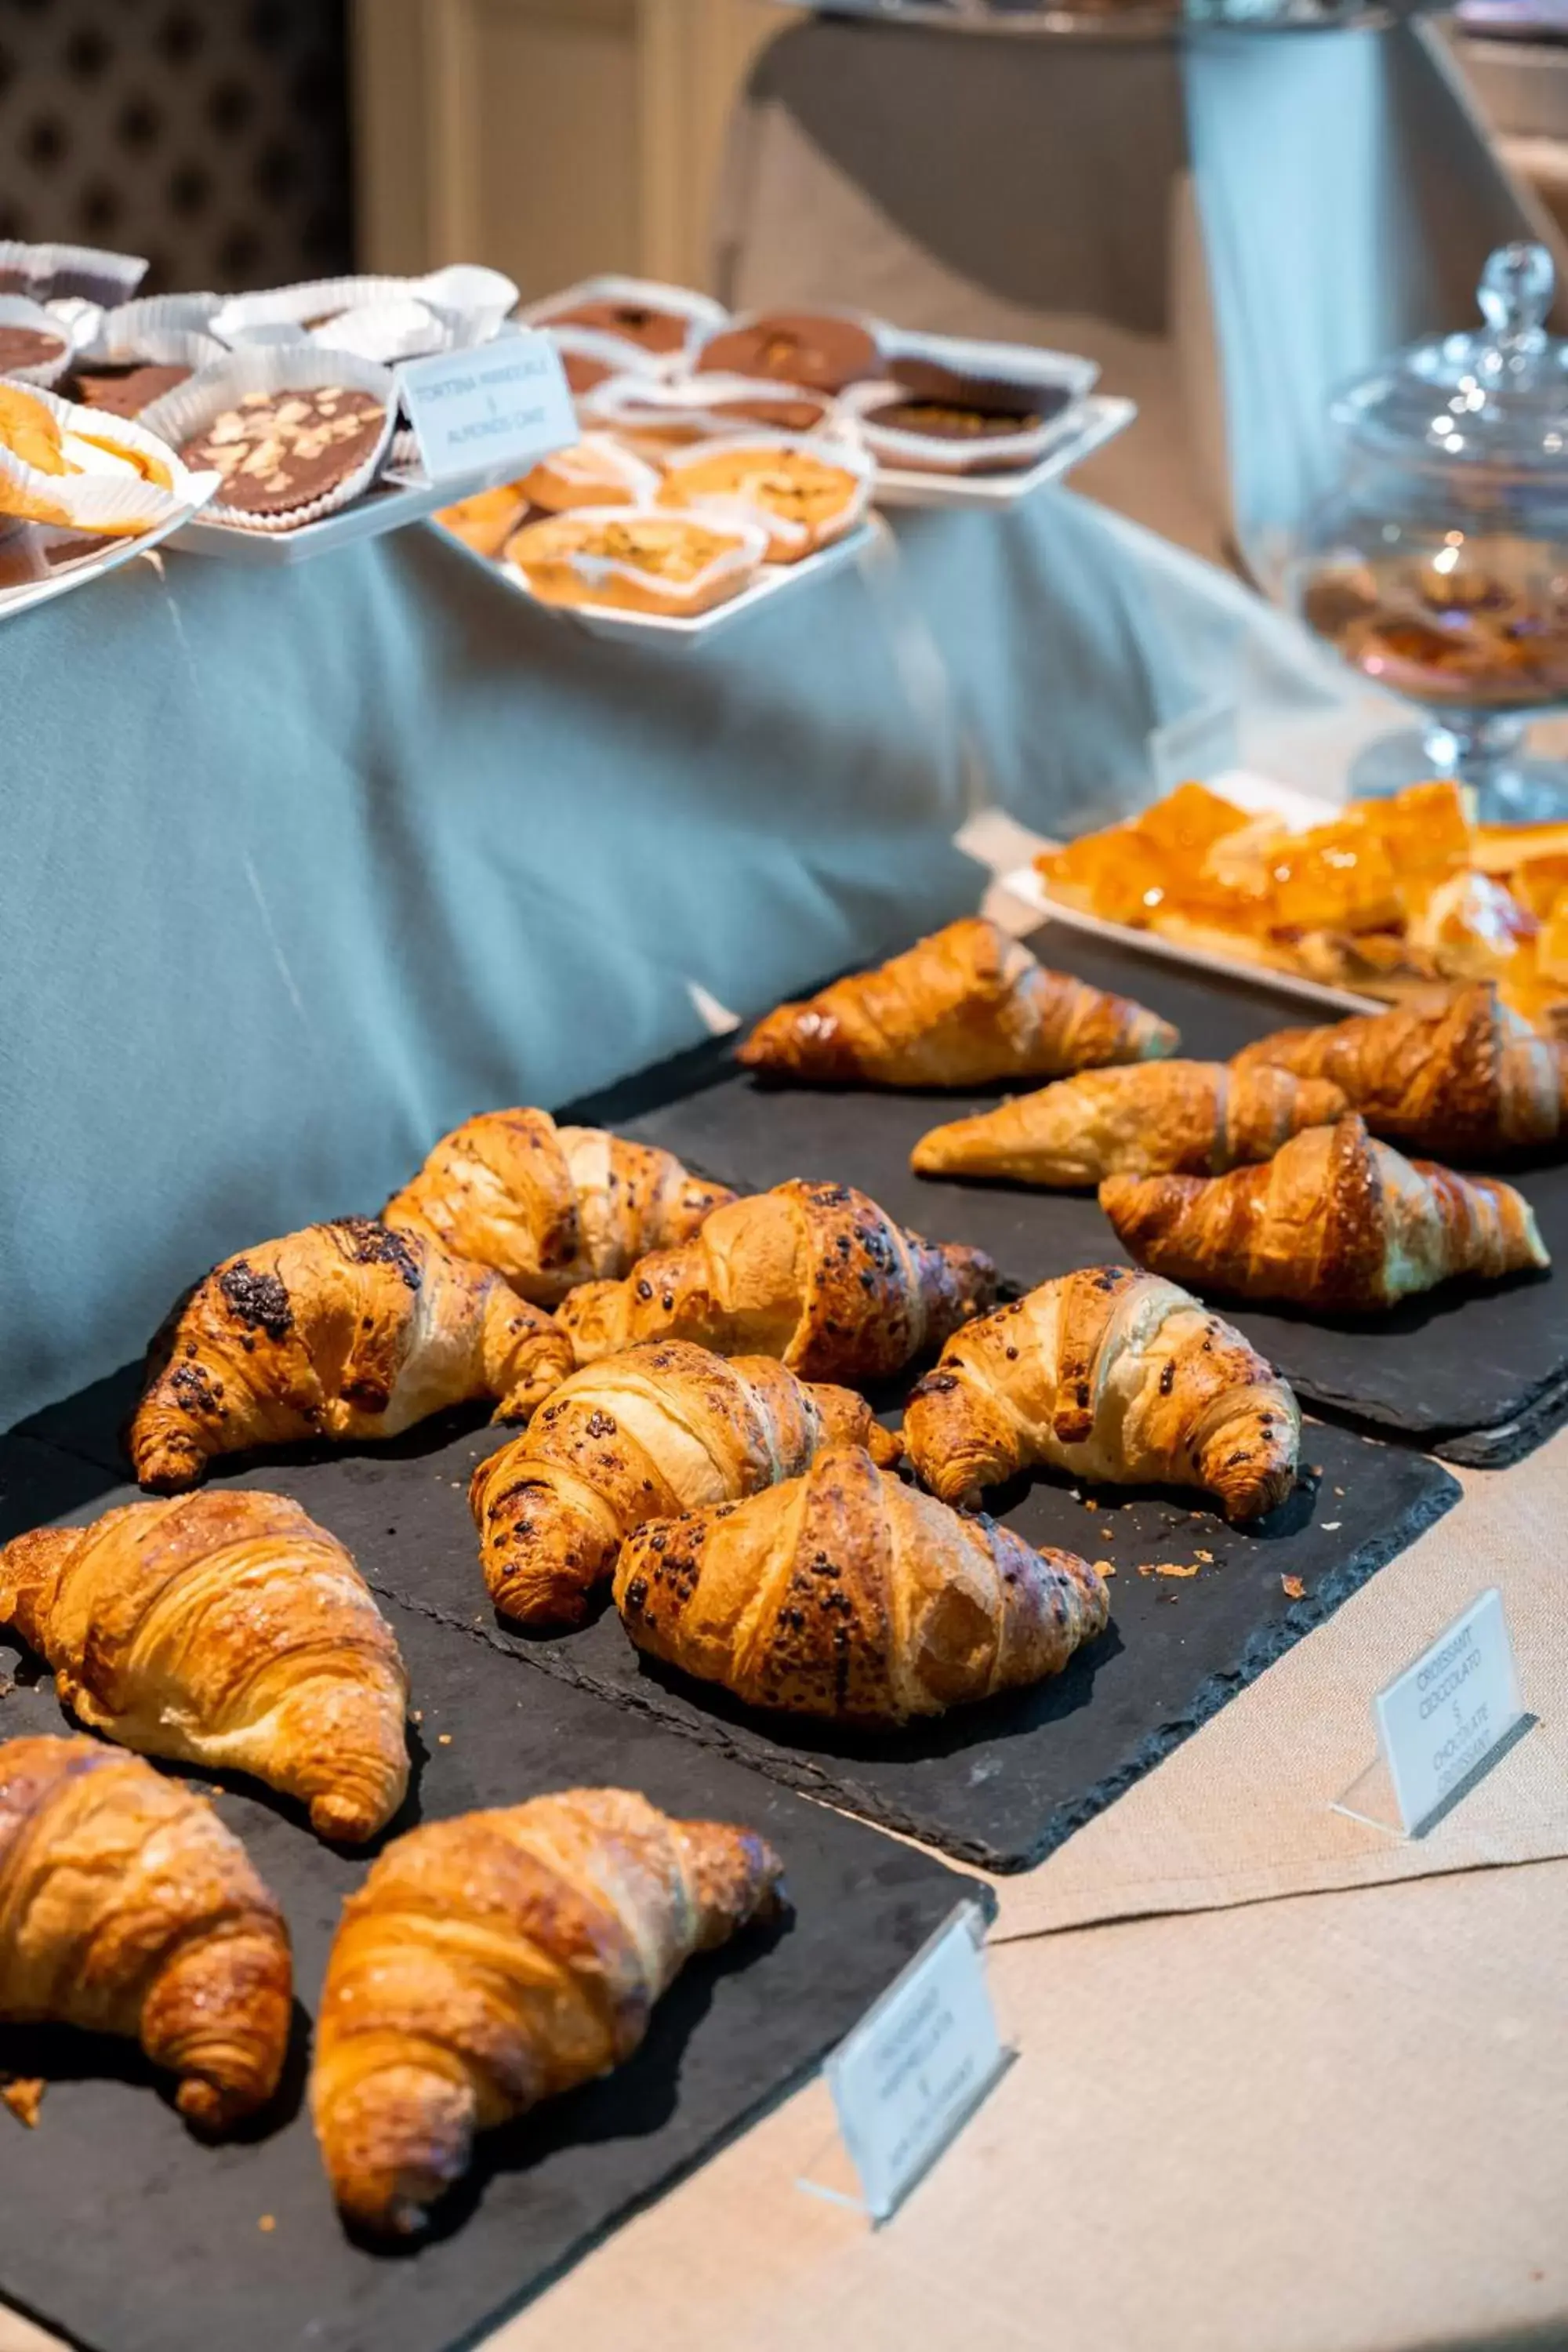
(75, 571)
(775, 579)
(1085, 429)
(397, 500)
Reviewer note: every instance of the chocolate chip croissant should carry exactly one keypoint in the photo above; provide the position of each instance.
(659, 1430)
(343, 1330)
(501, 1959)
(1461, 1076)
(846, 1593)
(127, 1908)
(1200, 1118)
(815, 1274)
(965, 1006)
(1334, 1221)
(1117, 1378)
(547, 1206)
(224, 1629)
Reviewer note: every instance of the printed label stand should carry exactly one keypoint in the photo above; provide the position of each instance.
(1443, 1724)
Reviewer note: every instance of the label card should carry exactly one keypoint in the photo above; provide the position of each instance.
(919, 2063)
(1438, 1719)
(498, 409)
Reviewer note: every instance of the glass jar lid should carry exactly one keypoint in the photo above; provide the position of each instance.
(1497, 396)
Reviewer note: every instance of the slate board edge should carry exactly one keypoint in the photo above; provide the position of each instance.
(842, 1790)
(1496, 1445)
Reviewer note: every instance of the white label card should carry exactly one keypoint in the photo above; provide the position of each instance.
(499, 408)
(918, 2062)
(1442, 1716)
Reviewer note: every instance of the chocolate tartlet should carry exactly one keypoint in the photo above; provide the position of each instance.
(279, 450)
(582, 373)
(635, 323)
(29, 347)
(126, 391)
(798, 347)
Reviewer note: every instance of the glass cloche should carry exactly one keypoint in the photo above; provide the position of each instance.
(1438, 565)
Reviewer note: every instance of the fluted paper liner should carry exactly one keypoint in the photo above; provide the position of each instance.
(744, 560)
(190, 407)
(703, 315)
(691, 407)
(83, 270)
(469, 304)
(16, 310)
(1031, 367)
(780, 528)
(125, 333)
(113, 504)
(588, 462)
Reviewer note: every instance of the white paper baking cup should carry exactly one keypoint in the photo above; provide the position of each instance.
(933, 452)
(469, 304)
(615, 352)
(741, 562)
(190, 407)
(790, 540)
(586, 472)
(107, 498)
(703, 316)
(123, 333)
(692, 408)
(105, 278)
(16, 310)
(397, 327)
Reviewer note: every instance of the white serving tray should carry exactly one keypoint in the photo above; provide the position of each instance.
(774, 580)
(97, 557)
(399, 498)
(1085, 428)
(1259, 797)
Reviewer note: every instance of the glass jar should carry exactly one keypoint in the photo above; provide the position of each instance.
(1438, 563)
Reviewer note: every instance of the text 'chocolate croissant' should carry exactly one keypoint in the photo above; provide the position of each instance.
(1463, 1078)
(1197, 1116)
(498, 1960)
(1334, 1221)
(662, 1429)
(849, 1594)
(224, 1629)
(1115, 1376)
(963, 1007)
(815, 1274)
(547, 1206)
(127, 1908)
(343, 1330)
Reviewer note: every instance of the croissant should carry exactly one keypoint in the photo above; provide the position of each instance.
(965, 1006)
(550, 1207)
(1198, 1117)
(343, 1330)
(814, 1274)
(846, 1593)
(223, 1629)
(127, 1908)
(496, 1960)
(1462, 1078)
(662, 1429)
(1115, 1376)
(1334, 1221)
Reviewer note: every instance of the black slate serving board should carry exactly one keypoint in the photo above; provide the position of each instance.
(122, 2232)
(999, 1785)
(1480, 1374)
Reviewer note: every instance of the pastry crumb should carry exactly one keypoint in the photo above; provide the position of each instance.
(417, 1715)
(24, 2094)
(1293, 1588)
(1167, 1567)
(1104, 1567)
(1206, 1558)
(1330, 1527)
(443, 1739)
(267, 2223)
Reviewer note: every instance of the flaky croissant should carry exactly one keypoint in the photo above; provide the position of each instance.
(815, 1274)
(1462, 1077)
(965, 1006)
(1118, 1379)
(550, 1207)
(224, 1629)
(127, 1908)
(1198, 1117)
(498, 1960)
(1334, 1221)
(343, 1330)
(846, 1593)
(662, 1429)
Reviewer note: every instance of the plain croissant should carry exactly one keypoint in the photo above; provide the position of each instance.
(815, 1274)
(965, 1006)
(1117, 1378)
(345, 1330)
(223, 1629)
(1334, 1221)
(127, 1908)
(846, 1593)
(500, 1958)
(1198, 1117)
(547, 1206)
(1463, 1078)
(662, 1429)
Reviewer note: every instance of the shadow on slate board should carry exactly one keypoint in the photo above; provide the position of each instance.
(1001, 1785)
(1479, 1374)
(120, 2230)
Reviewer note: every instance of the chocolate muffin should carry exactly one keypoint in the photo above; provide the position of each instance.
(29, 347)
(279, 450)
(125, 390)
(800, 347)
(636, 322)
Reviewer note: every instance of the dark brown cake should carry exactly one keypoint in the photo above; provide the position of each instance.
(279, 450)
